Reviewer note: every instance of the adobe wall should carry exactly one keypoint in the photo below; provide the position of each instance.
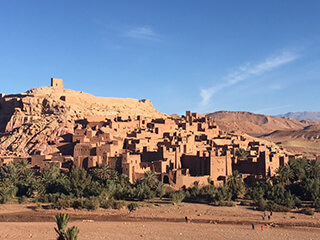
(198, 166)
(189, 181)
(57, 82)
(218, 167)
(249, 166)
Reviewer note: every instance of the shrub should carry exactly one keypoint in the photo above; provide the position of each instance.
(119, 204)
(245, 202)
(143, 192)
(224, 203)
(49, 197)
(107, 203)
(112, 203)
(177, 197)
(22, 199)
(307, 211)
(79, 203)
(62, 203)
(92, 204)
(194, 191)
(277, 208)
(262, 204)
(316, 203)
(38, 206)
(242, 153)
(222, 194)
(132, 206)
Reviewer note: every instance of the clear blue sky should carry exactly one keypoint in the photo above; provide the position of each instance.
(204, 56)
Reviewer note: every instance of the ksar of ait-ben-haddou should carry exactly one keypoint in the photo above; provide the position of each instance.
(53, 124)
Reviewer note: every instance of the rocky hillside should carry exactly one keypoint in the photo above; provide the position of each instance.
(309, 116)
(40, 119)
(254, 124)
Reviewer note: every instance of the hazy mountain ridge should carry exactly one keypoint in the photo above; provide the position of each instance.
(309, 116)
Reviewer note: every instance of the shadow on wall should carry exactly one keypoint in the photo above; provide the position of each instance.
(8, 103)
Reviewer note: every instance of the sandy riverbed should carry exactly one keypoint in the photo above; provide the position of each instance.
(159, 222)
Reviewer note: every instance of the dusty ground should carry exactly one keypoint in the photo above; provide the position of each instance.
(158, 222)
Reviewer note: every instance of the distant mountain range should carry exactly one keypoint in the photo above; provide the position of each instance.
(309, 116)
(296, 136)
(254, 124)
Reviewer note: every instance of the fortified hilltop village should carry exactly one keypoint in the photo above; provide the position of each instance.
(46, 125)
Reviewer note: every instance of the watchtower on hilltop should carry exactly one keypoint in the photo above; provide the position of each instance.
(56, 82)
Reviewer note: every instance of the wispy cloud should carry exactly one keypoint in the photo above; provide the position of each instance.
(142, 33)
(245, 72)
(139, 32)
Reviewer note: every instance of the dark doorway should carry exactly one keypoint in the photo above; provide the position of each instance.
(166, 179)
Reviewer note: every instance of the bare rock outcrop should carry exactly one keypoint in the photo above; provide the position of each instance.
(36, 122)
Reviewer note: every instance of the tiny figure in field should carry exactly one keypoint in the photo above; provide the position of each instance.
(269, 217)
(270, 213)
(187, 219)
(263, 217)
(261, 227)
(252, 226)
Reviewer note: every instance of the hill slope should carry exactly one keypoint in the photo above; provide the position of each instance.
(254, 124)
(295, 136)
(36, 121)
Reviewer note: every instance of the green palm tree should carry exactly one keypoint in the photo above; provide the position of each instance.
(150, 179)
(72, 233)
(313, 169)
(236, 185)
(285, 174)
(62, 221)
